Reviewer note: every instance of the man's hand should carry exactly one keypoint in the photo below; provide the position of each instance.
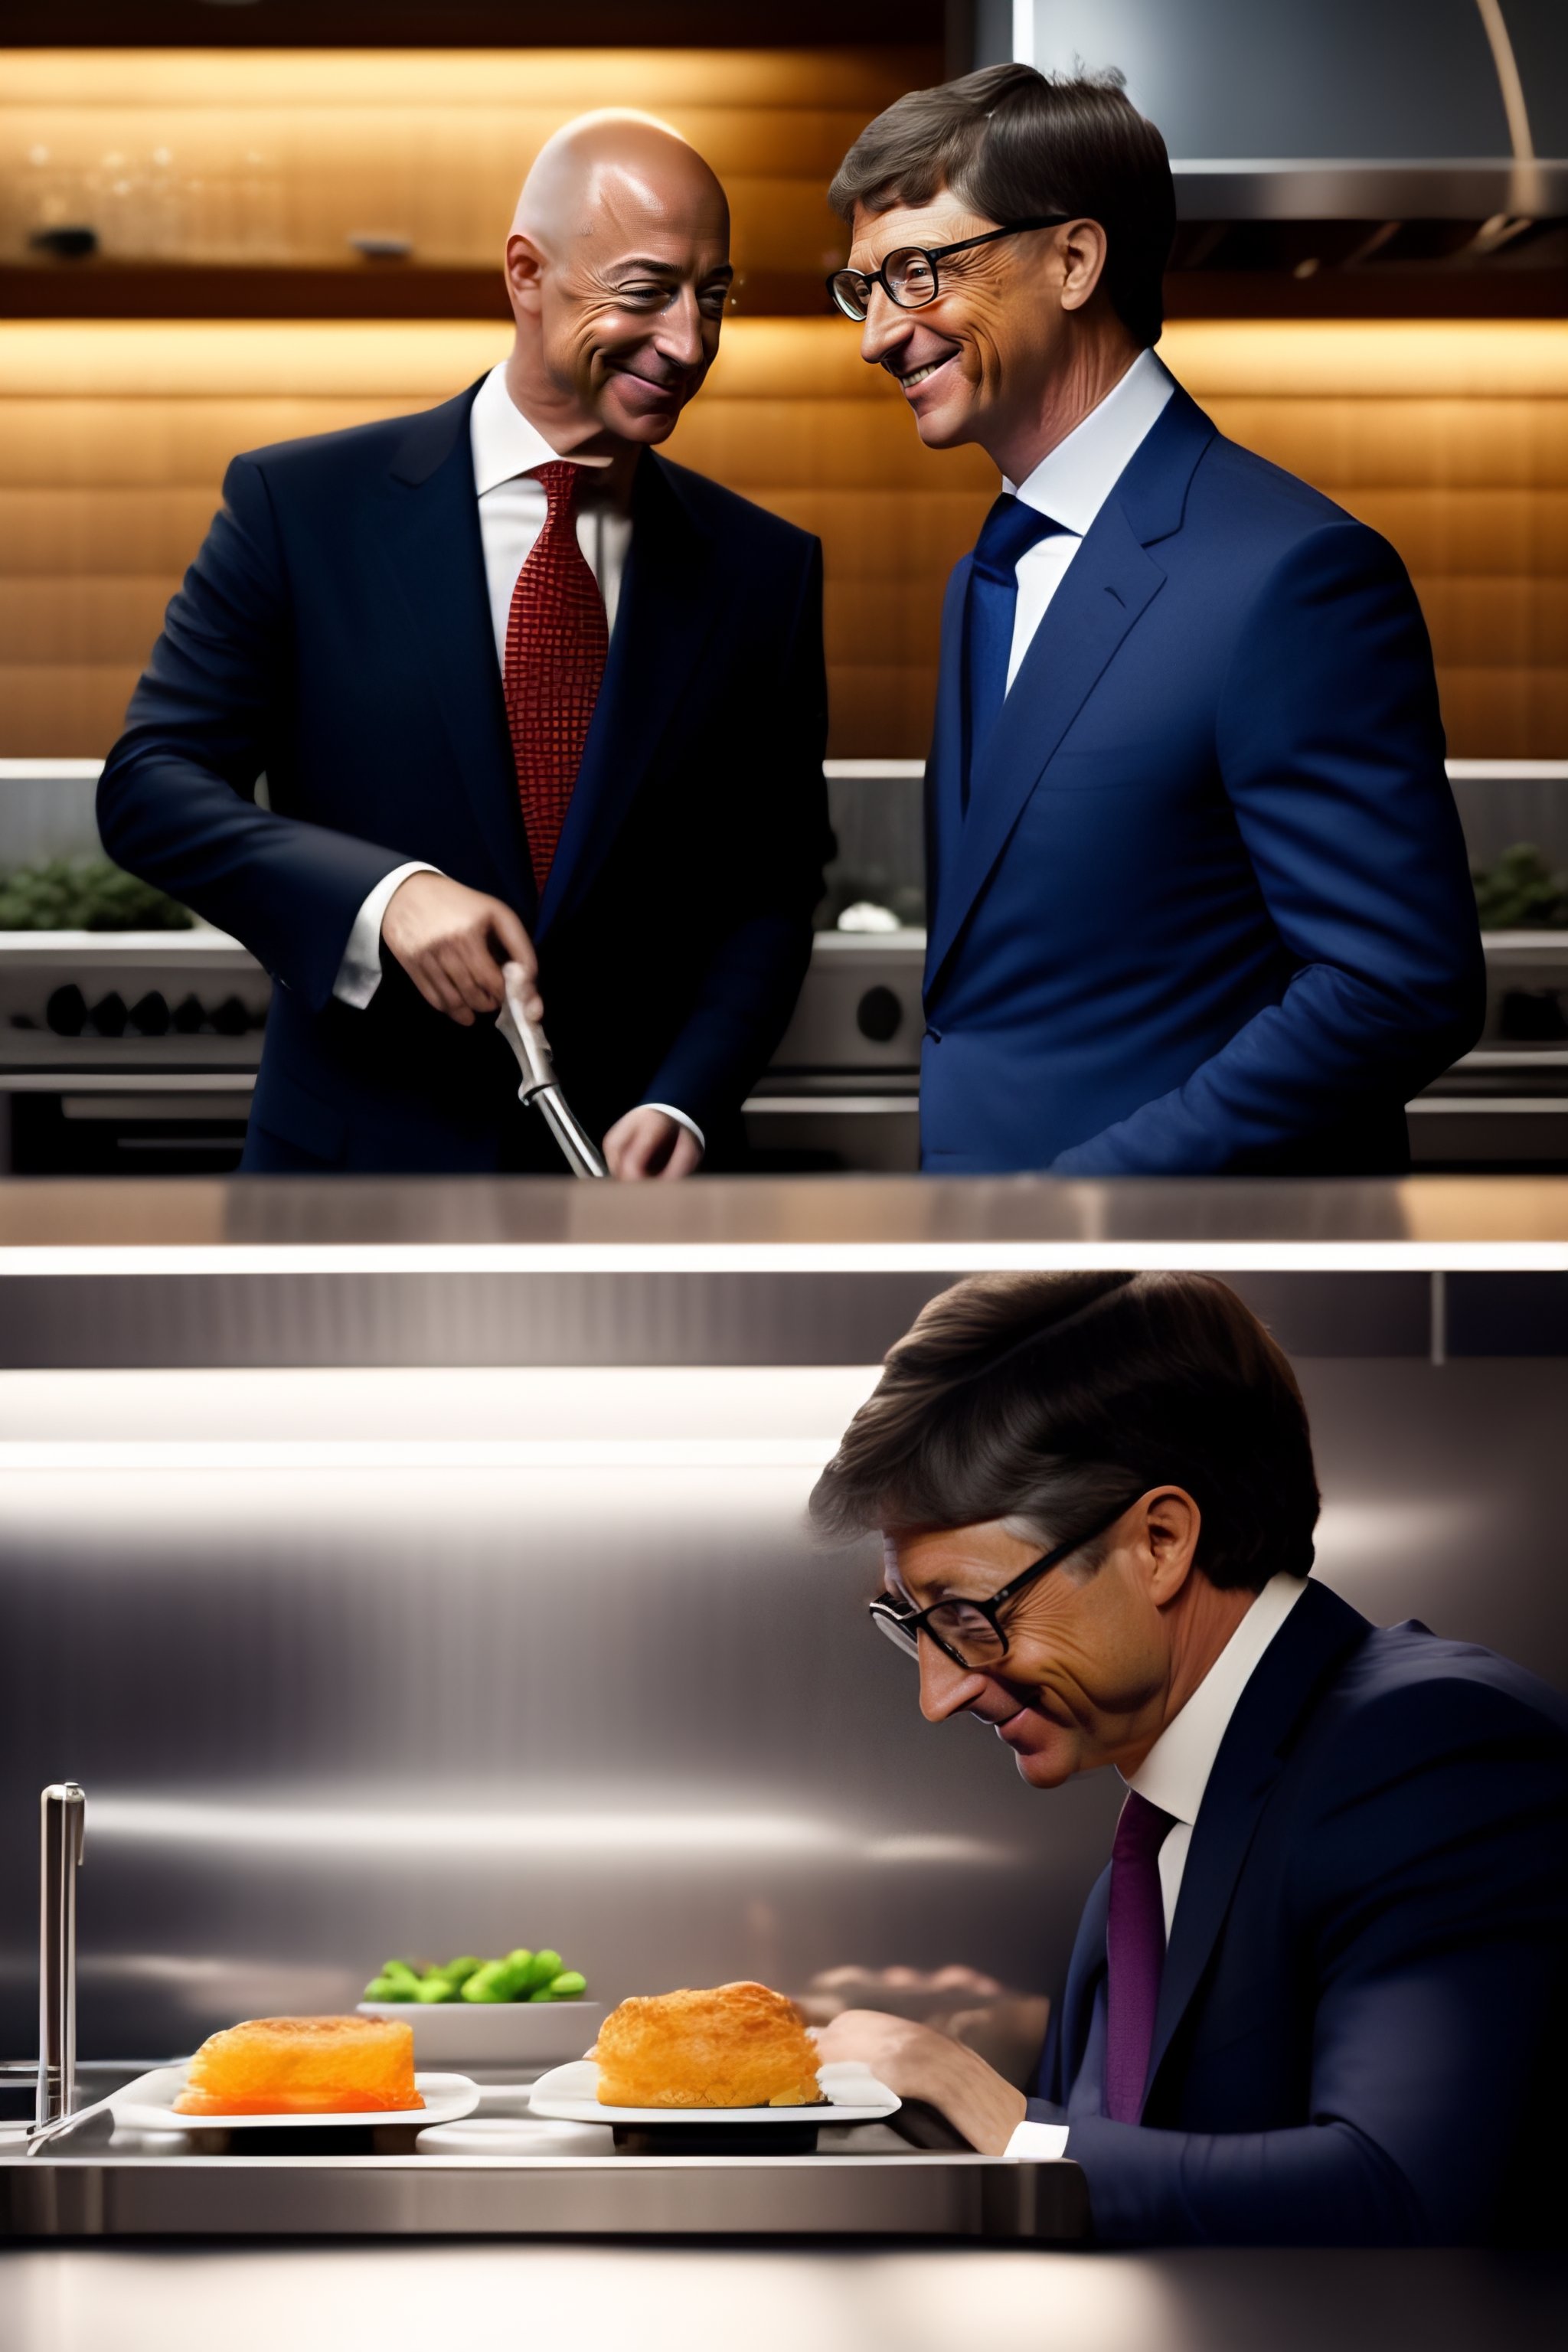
(919, 2063)
(447, 939)
(648, 1142)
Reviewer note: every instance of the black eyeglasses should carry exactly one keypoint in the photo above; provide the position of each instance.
(908, 277)
(970, 1632)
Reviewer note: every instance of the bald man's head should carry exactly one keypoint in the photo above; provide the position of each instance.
(618, 272)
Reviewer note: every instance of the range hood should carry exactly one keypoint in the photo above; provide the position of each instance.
(1307, 133)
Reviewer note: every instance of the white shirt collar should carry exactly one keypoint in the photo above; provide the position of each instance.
(1072, 481)
(503, 442)
(1175, 1773)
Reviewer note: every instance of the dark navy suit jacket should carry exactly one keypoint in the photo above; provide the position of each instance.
(1359, 2035)
(1209, 908)
(335, 631)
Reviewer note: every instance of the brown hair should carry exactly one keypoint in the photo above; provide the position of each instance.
(1056, 1397)
(1016, 145)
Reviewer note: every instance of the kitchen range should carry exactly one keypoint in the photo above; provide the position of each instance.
(134, 1051)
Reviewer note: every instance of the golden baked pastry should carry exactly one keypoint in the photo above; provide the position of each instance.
(739, 2045)
(304, 2066)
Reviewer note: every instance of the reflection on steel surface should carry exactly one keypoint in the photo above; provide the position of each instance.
(331, 1714)
(908, 2195)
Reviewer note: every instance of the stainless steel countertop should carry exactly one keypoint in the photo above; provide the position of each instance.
(784, 1224)
(328, 2299)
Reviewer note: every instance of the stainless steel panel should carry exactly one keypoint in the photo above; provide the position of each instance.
(907, 2196)
(834, 1131)
(827, 1033)
(1501, 1131)
(322, 2298)
(450, 1660)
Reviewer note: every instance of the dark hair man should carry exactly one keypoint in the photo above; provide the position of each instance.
(1317, 1996)
(521, 690)
(1198, 895)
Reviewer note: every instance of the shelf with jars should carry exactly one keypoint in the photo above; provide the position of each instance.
(381, 183)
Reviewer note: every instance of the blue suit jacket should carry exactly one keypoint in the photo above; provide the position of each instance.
(1209, 908)
(335, 631)
(1359, 2034)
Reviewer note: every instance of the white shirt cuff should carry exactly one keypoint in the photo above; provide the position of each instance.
(680, 1120)
(1036, 2143)
(359, 975)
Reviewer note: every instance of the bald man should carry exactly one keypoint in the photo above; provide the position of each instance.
(522, 691)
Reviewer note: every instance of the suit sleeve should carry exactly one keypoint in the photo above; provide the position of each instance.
(176, 801)
(1330, 744)
(753, 977)
(1434, 1916)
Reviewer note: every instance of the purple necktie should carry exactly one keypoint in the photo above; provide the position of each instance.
(1135, 1948)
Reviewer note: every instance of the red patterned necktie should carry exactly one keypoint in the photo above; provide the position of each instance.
(556, 645)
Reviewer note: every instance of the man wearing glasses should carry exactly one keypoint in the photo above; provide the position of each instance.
(1198, 896)
(1317, 1998)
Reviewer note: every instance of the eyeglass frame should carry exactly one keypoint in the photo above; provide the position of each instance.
(933, 254)
(913, 1622)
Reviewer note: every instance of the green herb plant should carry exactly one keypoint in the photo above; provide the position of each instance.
(85, 894)
(1520, 892)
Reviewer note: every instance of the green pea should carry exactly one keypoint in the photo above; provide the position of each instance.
(487, 1983)
(457, 1972)
(542, 1970)
(570, 1985)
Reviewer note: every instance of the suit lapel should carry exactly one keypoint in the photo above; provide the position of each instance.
(438, 564)
(1317, 1634)
(944, 768)
(1084, 1976)
(1108, 583)
(663, 621)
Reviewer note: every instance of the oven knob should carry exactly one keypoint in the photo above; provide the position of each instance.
(108, 1014)
(231, 1019)
(187, 1016)
(149, 1014)
(878, 1015)
(66, 1011)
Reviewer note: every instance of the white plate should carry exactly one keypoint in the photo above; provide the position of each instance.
(512, 2136)
(851, 2094)
(148, 2105)
(495, 2032)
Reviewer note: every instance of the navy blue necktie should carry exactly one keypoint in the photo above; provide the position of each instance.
(1009, 531)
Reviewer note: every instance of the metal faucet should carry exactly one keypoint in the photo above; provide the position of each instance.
(63, 1806)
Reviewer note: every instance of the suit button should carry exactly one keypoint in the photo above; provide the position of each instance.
(878, 1015)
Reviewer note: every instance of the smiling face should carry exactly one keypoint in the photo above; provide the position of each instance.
(1013, 341)
(1098, 1660)
(618, 271)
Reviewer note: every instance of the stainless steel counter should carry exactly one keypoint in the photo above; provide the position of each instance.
(339, 2299)
(800, 1271)
(808, 1222)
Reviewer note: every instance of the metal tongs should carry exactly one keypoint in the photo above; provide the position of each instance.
(540, 1087)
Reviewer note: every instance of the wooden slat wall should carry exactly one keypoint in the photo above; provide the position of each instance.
(1451, 439)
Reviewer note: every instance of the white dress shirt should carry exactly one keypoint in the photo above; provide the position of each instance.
(505, 449)
(1175, 1773)
(1072, 483)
